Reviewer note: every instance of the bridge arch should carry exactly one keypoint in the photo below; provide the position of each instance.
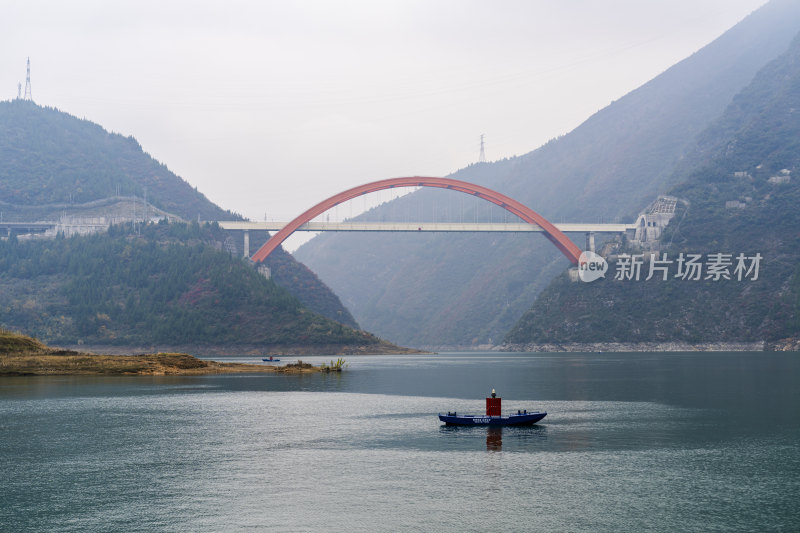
(558, 238)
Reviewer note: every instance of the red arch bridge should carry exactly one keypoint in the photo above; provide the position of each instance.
(532, 221)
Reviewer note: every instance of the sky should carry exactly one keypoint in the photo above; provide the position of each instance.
(269, 107)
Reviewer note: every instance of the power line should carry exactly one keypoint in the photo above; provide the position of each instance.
(482, 157)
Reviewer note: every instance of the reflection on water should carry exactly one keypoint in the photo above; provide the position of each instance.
(494, 439)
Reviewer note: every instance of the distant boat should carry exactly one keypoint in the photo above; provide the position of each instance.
(523, 419)
(270, 359)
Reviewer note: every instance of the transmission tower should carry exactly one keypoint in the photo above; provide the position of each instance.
(482, 157)
(28, 95)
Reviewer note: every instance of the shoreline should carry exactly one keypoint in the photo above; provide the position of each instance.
(247, 349)
(760, 346)
(68, 363)
(21, 355)
(590, 347)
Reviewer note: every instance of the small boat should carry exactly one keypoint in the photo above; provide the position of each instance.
(522, 419)
(270, 359)
(493, 416)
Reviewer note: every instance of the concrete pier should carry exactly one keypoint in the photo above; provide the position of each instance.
(590, 241)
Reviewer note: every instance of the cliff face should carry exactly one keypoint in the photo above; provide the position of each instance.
(429, 290)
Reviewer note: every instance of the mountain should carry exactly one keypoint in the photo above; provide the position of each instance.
(470, 289)
(741, 193)
(53, 164)
(167, 284)
(52, 158)
(306, 287)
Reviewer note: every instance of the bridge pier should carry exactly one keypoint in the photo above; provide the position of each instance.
(246, 244)
(590, 241)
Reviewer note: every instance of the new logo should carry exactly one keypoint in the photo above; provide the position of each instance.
(591, 266)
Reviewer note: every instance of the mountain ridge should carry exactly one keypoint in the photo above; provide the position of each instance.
(742, 197)
(52, 157)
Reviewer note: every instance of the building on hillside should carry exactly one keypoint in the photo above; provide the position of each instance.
(652, 221)
(783, 178)
(264, 270)
(92, 217)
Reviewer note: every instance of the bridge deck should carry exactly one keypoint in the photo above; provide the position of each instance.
(428, 226)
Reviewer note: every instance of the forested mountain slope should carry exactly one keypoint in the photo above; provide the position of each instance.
(306, 287)
(743, 194)
(171, 285)
(50, 157)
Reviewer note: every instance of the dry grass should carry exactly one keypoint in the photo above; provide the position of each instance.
(160, 364)
(24, 356)
(11, 342)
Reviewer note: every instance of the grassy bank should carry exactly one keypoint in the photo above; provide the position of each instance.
(23, 356)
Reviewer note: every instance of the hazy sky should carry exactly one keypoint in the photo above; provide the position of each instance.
(272, 106)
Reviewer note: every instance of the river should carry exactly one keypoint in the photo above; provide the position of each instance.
(632, 442)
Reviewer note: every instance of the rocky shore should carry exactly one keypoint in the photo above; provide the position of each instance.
(790, 345)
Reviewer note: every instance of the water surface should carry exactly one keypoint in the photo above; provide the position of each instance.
(658, 442)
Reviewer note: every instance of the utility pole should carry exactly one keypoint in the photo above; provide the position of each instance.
(28, 95)
(482, 157)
